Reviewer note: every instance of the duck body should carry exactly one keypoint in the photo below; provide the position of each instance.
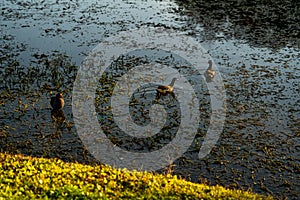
(57, 102)
(166, 89)
(209, 73)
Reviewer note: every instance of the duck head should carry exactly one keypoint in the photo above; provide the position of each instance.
(209, 64)
(59, 95)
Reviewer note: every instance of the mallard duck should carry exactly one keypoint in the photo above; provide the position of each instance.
(210, 73)
(57, 102)
(166, 89)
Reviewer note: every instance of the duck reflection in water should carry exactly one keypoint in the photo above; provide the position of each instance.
(58, 116)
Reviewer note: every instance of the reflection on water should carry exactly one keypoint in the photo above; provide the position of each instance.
(259, 23)
(259, 147)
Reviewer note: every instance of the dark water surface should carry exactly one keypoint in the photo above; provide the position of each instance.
(255, 47)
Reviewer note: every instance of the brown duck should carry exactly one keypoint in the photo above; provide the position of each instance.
(166, 89)
(209, 73)
(57, 102)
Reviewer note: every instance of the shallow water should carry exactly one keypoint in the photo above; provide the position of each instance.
(44, 43)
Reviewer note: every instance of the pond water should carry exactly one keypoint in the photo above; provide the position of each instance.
(44, 43)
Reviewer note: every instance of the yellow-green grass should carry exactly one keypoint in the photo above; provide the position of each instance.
(23, 177)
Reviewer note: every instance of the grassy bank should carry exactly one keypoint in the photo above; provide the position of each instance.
(23, 177)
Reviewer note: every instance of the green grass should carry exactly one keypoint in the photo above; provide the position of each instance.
(23, 177)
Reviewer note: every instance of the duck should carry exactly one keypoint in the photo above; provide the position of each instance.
(57, 102)
(166, 89)
(209, 73)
